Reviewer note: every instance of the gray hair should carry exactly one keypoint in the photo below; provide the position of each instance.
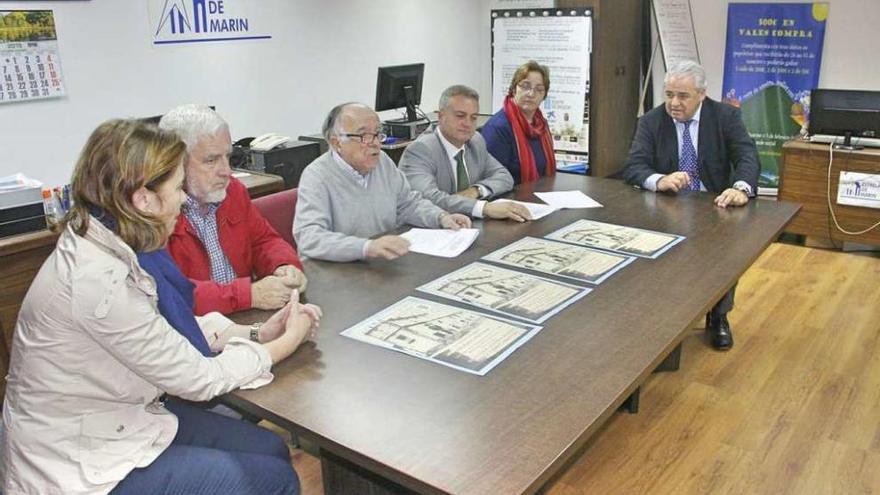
(457, 90)
(687, 68)
(191, 122)
(332, 124)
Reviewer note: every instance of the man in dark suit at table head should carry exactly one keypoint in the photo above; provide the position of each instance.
(693, 143)
(452, 167)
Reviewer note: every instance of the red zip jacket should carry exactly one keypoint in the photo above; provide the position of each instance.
(252, 246)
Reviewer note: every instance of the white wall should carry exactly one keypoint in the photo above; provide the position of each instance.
(849, 58)
(323, 52)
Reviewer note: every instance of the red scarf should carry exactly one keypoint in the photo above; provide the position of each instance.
(523, 131)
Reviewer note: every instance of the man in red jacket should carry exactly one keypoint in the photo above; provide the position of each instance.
(221, 242)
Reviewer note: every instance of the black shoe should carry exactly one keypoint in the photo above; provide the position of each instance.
(720, 335)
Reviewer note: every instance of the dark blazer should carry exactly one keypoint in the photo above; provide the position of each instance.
(726, 153)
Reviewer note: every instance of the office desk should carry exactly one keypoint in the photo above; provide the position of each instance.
(804, 179)
(21, 257)
(388, 419)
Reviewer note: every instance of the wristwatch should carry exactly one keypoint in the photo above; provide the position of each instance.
(743, 189)
(255, 331)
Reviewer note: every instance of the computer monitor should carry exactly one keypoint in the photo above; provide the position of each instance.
(847, 113)
(400, 86)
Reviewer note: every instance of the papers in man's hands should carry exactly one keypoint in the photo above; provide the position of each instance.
(537, 210)
(440, 242)
(568, 199)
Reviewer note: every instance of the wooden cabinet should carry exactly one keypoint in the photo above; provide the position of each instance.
(614, 80)
(803, 178)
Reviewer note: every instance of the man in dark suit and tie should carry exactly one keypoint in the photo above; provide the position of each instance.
(693, 143)
(452, 167)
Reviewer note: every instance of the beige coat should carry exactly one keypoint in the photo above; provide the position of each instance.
(90, 356)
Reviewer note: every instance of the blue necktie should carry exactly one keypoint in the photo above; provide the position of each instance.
(688, 160)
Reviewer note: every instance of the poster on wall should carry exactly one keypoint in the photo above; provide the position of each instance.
(174, 22)
(30, 68)
(675, 26)
(562, 40)
(771, 62)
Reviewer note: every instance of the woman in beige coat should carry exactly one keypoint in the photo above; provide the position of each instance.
(92, 355)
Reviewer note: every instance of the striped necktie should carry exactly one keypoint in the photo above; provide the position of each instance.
(688, 160)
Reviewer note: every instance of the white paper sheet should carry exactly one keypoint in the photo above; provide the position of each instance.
(568, 199)
(537, 210)
(440, 242)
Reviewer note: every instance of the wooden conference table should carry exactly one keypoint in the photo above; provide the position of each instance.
(386, 422)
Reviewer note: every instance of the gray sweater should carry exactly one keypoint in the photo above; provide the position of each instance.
(336, 216)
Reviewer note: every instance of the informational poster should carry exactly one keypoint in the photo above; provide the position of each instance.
(618, 238)
(771, 62)
(675, 26)
(508, 292)
(447, 335)
(30, 67)
(562, 259)
(562, 42)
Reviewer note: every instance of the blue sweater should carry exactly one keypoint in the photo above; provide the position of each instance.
(502, 145)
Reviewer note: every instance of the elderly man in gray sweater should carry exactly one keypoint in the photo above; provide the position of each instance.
(354, 192)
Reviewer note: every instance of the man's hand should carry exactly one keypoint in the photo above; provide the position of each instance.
(295, 273)
(472, 192)
(674, 182)
(731, 197)
(272, 292)
(507, 209)
(388, 247)
(455, 221)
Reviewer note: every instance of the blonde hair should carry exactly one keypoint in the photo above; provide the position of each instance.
(120, 157)
(523, 72)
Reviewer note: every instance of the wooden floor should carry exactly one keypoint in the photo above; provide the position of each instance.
(793, 408)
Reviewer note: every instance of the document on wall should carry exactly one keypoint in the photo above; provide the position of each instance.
(459, 338)
(858, 189)
(568, 199)
(562, 259)
(537, 210)
(618, 238)
(440, 242)
(504, 291)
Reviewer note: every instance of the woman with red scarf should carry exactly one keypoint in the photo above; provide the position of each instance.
(518, 135)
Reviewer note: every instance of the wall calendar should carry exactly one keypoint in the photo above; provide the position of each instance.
(30, 67)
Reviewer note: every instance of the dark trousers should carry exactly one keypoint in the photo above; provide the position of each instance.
(724, 306)
(214, 454)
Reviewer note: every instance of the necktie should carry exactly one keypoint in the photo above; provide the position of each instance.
(688, 160)
(462, 181)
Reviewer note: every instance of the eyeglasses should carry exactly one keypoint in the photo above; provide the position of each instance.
(367, 137)
(528, 88)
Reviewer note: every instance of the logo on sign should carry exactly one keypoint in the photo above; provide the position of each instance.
(191, 21)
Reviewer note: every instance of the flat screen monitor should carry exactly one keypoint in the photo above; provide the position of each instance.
(400, 86)
(847, 113)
